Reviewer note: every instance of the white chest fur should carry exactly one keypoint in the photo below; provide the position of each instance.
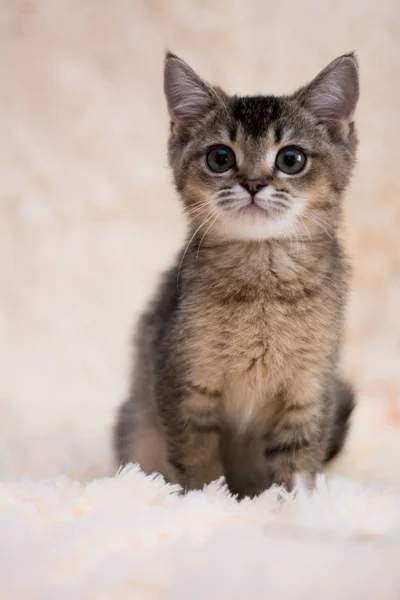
(249, 396)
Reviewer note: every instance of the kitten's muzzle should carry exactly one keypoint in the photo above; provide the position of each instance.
(253, 185)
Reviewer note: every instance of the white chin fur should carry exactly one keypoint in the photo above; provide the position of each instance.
(258, 226)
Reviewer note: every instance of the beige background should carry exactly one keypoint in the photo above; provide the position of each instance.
(88, 216)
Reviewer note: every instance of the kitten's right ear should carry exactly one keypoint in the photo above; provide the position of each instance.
(188, 97)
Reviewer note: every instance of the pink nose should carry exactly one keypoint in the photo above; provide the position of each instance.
(253, 184)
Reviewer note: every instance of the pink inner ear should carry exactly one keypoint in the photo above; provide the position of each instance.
(188, 97)
(333, 95)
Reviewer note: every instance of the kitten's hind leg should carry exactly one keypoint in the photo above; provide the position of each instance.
(344, 405)
(139, 439)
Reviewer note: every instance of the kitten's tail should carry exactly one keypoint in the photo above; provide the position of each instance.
(345, 403)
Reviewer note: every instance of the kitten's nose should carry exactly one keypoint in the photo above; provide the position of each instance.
(253, 184)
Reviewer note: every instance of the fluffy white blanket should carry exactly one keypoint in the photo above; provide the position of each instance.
(132, 536)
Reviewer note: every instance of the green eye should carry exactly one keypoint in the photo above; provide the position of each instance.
(290, 160)
(220, 159)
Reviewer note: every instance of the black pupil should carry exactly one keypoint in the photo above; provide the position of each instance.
(221, 158)
(290, 159)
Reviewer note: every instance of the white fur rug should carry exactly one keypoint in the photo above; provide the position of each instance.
(88, 218)
(132, 536)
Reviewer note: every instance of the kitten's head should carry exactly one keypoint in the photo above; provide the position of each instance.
(260, 167)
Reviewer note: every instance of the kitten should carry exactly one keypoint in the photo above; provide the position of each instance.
(237, 356)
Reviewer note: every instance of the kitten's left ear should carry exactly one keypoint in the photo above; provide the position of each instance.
(332, 96)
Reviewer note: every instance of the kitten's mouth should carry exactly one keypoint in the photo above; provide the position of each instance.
(257, 206)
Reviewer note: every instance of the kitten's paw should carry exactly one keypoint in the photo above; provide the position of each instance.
(304, 480)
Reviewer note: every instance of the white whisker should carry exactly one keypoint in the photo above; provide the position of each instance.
(305, 227)
(196, 209)
(322, 224)
(204, 235)
(297, 241)
(209, 216)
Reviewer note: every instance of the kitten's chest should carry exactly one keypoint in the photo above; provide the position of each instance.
(257, 320)
(250, 351)
(254, 355)
(250, 342)
(237, 351)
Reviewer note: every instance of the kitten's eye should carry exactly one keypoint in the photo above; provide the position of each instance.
(221, 159)
(290, 160)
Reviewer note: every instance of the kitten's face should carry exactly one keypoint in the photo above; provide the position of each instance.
(262, 167)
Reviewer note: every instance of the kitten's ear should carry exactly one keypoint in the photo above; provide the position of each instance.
(188, 97)
(332, 96)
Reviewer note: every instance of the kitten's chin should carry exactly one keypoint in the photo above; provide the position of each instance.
(256, 226)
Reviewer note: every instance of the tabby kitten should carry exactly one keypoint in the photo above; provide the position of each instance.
(237, 356)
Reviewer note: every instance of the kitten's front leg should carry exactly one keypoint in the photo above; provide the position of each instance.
(295, 445)
(193, 438)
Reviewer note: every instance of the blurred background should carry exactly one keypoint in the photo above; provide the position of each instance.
(89, 218)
